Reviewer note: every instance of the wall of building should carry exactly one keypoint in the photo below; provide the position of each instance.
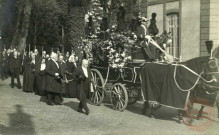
(190, 29)
(209, 23)
(199, 21)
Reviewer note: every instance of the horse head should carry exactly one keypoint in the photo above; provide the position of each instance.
(208, 66)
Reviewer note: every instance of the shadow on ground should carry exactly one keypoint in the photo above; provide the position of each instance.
(43, 99)
(73, 105)
(20, 123)
(162, 113)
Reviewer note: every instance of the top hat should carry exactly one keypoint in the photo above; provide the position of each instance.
(209, 45)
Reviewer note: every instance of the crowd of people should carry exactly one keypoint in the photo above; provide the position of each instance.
(51, 75)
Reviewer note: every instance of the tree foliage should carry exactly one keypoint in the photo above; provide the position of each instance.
(8, 21)
(52, 23)
(46, 21)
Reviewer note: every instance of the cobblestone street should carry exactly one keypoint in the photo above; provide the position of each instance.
(26, 114)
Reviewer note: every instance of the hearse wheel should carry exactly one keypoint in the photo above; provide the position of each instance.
(119, 97)
(98, 89)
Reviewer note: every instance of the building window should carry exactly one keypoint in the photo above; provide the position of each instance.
(172, 25)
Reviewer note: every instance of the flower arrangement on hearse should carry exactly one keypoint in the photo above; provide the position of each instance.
(116, 52)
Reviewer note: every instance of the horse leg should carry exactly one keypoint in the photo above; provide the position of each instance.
(190, 115)
(180, 120)
(217, 103)
(147, 110)
(145, 107)
(199, 116)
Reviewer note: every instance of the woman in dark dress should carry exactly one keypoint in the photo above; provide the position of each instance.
(71, 65)
(28, 81)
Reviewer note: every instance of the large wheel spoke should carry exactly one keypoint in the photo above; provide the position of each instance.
(97, 97)
(122, 100)
(114, 92)
(98, 94)
(95, 77)
(119, 90)
(117, 103)
(94, 86)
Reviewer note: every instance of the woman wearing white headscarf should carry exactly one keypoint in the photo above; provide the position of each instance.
(28, 81)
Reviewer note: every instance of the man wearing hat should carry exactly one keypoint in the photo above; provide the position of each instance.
(53, 80)
(142, 42)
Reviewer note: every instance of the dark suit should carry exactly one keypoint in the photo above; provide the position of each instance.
(15, 68)
(70, 90)
(62, 66)
(3, 67)
(53, 83)
(83, 88)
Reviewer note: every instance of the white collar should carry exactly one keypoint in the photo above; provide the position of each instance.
(85, 71)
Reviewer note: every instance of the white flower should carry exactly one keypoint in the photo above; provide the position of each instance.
(112, 50)
(117, 55)
(134, 36)
(110, 43)
(117, 60)
(129, 57)
(122, 64)
(114, 65)
(123, 54)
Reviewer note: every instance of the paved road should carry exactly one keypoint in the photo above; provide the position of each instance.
(27, 114)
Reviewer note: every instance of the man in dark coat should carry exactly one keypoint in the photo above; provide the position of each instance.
(62, 65)
(15, 68)
(83, 76)
(53, 81)
(8, 57)
(37, 55)
(3, 65)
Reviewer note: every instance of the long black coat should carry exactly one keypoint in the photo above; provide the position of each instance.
(62, 66)
(83, 86)
(15, 65)
(70, 90)
(28, 80)
(40, 77)
(53, 83)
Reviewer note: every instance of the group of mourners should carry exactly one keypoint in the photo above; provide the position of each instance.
(51, 75)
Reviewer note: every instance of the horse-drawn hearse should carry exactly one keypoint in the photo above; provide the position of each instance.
(169, 83)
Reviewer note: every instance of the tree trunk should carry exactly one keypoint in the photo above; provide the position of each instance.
(20, 36)
(63, 37)
(17, 30)
(76, 27)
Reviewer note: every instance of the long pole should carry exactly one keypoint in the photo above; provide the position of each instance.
(29, 50)
(29, 47)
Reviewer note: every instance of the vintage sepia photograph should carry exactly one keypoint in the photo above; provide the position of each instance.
(109, 67)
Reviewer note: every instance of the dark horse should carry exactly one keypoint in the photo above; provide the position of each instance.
(206, 67)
